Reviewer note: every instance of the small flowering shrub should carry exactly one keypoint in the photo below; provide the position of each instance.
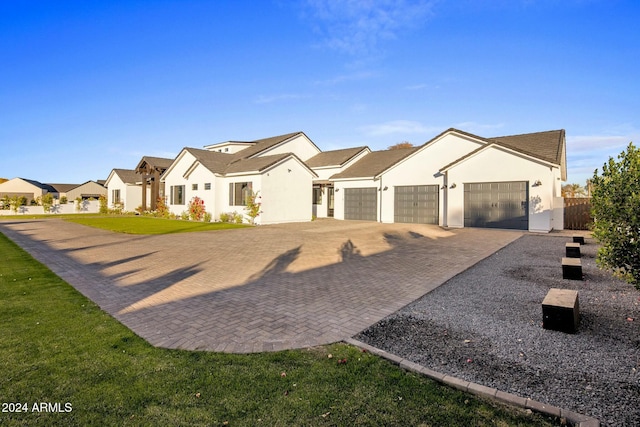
(207, 217)
(161, 208)
(232, 217)
(184, 215)
(196, 209)
(253, 206)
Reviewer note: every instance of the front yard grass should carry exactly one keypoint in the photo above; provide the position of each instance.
(58, 347)
(149, 225)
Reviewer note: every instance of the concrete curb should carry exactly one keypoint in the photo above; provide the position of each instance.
(574, 419)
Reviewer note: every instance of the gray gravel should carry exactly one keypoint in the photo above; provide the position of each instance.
(485, 326)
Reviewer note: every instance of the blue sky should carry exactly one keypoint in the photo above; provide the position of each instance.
(87, 86)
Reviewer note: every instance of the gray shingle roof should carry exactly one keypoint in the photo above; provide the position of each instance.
(334, 157)
(543, 145)
(128, 176)
(255, 164)
(546, 146)
(214, 161)
(374, 163)
(63, 188)
(157, 162)
(261, 145)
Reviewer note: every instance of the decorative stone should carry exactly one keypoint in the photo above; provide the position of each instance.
(571, 268)
(572, 250)
(561, 310)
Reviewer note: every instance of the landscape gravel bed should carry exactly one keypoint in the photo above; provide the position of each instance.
(485, 326)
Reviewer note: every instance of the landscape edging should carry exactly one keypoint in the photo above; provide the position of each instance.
(574, 419)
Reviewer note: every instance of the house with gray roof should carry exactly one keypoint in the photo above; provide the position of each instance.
(458, 179)
(124, 189)
(224, 176)
(28, 188)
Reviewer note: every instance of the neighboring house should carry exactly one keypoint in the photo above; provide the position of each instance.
(224, 175)
(124, 189)
(62, 189)
(458, 179)
(28, 188)
(87, 190)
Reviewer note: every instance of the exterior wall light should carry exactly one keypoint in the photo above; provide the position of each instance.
(443, 187)
(538, 183)
(453, 185)
(385, 188)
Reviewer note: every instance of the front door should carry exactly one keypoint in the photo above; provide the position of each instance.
(330, 202)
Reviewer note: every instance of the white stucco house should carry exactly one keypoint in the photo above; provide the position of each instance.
(224, 175)
(29, 188)
(124, 189)
(458, 179)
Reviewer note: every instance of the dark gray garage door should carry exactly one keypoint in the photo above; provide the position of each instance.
(361, 203)
(416, 204)
(497, 205)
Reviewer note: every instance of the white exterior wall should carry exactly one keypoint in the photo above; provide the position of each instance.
(421, 168)
(340, 186)
(200, 176)
(68, 208)
(130, 194)
(300, 146)
(176, 177)
(286, 196)
(222, 195)
(495, 165)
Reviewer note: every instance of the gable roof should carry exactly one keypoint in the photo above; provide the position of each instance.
(261, 145)
(63, 188)
(40, 185)
(546, 146)
(374, 163)
(127, 176)
(160, 163)
(334, 157)
(215, 161)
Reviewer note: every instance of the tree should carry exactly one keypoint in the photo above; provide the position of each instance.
(573, 190)
(615, 207)
(47, 202)
(253, 206)
(400, 145)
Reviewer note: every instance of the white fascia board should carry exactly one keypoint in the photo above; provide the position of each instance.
(175, 162)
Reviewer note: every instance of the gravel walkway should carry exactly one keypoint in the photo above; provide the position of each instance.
(485, 326)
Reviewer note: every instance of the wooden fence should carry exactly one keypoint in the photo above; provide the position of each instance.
(577, 213)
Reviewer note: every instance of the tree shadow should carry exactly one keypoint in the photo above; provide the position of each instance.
(349, 252)
(279, 264)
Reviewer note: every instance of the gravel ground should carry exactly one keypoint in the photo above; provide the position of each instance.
(485, 326)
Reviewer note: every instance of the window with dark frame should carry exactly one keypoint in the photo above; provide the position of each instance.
(207, 186)
(317, 195)
(194, 187)
(239, 193)
(115, 196)
(177, 195)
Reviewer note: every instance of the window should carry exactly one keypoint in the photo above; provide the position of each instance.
(177, 195)
(207, 186)
(238, 193)
(194, 186)
(317, 195)
(115, 196)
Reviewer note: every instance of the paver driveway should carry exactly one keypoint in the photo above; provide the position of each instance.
(255, 289)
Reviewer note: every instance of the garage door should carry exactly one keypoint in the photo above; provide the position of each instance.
(416, 204)
(361, 203)
(497, 205)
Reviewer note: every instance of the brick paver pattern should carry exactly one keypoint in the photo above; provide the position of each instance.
(257, 289)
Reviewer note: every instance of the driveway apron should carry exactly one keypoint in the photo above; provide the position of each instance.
(257, 289)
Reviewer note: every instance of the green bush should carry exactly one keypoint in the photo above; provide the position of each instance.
(207, 217)
(104, 208)
(615, 207)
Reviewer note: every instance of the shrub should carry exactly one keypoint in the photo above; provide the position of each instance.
(253, 206)
(207, 217)
(232, 217)
(184, 215)
(161, 208)
(63, 200)
(615, 204)
(104, 209)
(196, 209)
(47, 202)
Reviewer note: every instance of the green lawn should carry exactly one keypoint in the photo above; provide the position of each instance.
(58, 347)
(148, 225)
